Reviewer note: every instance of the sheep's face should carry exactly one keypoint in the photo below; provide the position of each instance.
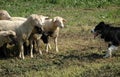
(4, 15)
(35, 20)
(38, 20)
(11, 35)
(41, 21)
(43, 18)
(37, 30)
(59, 21)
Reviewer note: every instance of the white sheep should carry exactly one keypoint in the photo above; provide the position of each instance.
(51, 27)
(35, 36)
(22, 29)
(7, 37)
(4, 15)
(18, 18)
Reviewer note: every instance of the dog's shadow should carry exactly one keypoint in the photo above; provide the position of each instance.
(93, 56)
(86, 56)
(75, 54)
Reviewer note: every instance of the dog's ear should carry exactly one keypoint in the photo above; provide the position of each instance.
(102, 23)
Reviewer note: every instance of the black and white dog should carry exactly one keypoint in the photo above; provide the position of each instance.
(110, 34)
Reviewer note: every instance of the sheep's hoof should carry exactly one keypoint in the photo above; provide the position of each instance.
(47, 51)
(57, 50)
(40, 52)
(23, 58)
(20, 56)
(49, 47)
(31, 56)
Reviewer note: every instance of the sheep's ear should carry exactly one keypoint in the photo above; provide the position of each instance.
(64, 20)
(1, 14)
(47, 18)
(54, 19)
(34, 16)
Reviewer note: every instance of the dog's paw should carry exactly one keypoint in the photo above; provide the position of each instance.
(106, 56)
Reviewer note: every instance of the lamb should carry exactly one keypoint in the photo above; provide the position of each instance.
(7, 37)
(4, 15)
(51, 28)
(35, 36)
(23, 29)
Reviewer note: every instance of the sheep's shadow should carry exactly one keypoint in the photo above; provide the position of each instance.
(6, 53)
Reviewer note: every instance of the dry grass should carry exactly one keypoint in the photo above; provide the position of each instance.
(80, 55)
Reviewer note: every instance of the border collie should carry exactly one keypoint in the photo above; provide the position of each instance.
(110, 34)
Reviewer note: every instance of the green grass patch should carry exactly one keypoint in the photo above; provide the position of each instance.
(80, 55)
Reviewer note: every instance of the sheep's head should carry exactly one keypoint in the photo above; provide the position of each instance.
(59, 21)
(37, 20)
(43, 18)
(4, 15)
(37, 30)
(11, 36)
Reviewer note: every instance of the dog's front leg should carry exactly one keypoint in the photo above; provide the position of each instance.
(111, 48)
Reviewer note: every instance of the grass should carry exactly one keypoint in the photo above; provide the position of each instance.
(80, 55)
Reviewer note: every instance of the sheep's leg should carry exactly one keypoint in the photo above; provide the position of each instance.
(22, 52)
(56, 47)
(21, 55)
(38, 46)
(47, 45)
(31, 49)
(40, 52)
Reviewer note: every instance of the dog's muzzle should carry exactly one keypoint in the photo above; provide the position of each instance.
(94, 33)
